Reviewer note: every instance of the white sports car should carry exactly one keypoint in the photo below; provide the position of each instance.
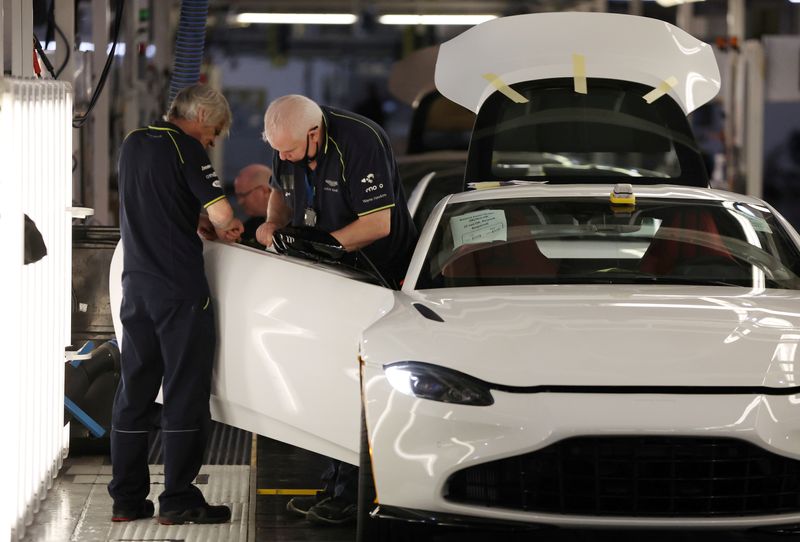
(605, 342)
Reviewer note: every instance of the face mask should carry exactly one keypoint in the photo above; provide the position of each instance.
(306, 159)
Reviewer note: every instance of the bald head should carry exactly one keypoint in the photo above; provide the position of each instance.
(252, 189)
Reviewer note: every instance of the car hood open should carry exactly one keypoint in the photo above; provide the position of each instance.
(597, 336)
(538, 46)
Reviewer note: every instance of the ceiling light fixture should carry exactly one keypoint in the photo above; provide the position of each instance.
(296, 18)
(670, 3)
(443, 20)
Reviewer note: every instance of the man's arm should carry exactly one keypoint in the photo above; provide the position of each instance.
(277, 217)
(364, 230)
(226, 226)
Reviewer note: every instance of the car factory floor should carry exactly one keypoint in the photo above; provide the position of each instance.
(257, 477)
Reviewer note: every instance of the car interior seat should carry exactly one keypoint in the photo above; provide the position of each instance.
(666, 254)
(519, 257)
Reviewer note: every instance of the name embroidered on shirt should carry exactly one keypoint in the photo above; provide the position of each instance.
(205, 167)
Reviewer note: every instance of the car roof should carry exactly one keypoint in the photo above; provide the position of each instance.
(543, 190)
(537, 46)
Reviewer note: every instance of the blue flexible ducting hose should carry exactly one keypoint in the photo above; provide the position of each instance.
(189, 45)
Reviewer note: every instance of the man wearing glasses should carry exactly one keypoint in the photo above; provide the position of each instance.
(252, 193)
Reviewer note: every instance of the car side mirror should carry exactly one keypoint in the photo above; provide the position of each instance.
(308, 243)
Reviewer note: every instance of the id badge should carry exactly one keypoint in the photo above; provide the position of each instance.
(310, 217)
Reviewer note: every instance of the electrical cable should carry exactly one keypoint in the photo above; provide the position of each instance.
(68, 47)
(45, 60)
(79, 120)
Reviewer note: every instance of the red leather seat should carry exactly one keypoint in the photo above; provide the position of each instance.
(665, 254)
(500, 260)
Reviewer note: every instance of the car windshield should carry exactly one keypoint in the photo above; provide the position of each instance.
(586, 240)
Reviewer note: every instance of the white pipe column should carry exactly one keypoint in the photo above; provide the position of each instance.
(736, 19)
(684, 17)
(100, 116)
(753, 55)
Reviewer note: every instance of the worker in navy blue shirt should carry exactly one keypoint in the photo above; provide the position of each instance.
(165, 182)
(335, 170)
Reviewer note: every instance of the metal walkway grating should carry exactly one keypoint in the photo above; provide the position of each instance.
(226, 446)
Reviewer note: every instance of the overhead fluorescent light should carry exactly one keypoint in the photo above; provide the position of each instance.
(296, 18)
(670, 3)
(443, 20)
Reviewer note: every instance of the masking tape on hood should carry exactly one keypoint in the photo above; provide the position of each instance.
(579, 73)
(509, 92)
(660, 90)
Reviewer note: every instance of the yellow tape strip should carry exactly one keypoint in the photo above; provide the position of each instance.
(579, 73)
(287, 491)
(509, 92)
(660, 90)
(485, 184)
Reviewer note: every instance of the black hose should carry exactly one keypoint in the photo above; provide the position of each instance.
(189, 45)
(79, 120)
(68, 47)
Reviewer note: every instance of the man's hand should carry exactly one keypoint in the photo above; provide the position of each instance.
(205, 229)
(265, 232)
(233, 231)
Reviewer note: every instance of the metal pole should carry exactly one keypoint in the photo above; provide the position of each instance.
(131, 67)
(635, 7)
(100, 116)
(18, 21)
(736, 19)
(684, 17)
(753, 53)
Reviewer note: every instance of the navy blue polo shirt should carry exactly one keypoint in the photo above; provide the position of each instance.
(356, 175)
(165, 179)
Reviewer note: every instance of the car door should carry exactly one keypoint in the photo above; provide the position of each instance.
(287, 347)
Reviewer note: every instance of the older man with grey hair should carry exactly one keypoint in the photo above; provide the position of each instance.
(165, 181)
(335, 171)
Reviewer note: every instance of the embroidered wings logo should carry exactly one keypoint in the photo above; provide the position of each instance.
(369, 178)
(332, 184)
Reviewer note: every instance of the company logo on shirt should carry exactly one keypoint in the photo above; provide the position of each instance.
(205, 167)
(331, 186)
(216, 184)
(369, 178)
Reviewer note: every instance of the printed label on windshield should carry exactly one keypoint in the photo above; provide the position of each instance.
(478, 227)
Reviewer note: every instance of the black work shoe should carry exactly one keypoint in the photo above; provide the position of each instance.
(122, 513)
(206, 513)
(301, 505)
(335, 511)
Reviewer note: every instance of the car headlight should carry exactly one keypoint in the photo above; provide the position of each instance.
(437, 383)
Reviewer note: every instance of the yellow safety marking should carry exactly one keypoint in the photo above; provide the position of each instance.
(509, 92)
(287, 491)
(660, 90)
(579, 73)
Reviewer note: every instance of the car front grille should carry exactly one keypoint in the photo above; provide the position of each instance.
(636, 476)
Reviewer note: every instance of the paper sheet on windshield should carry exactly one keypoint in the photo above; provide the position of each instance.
(479, 227)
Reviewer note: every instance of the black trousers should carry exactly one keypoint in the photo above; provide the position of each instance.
(340, 479)
(173, 340)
